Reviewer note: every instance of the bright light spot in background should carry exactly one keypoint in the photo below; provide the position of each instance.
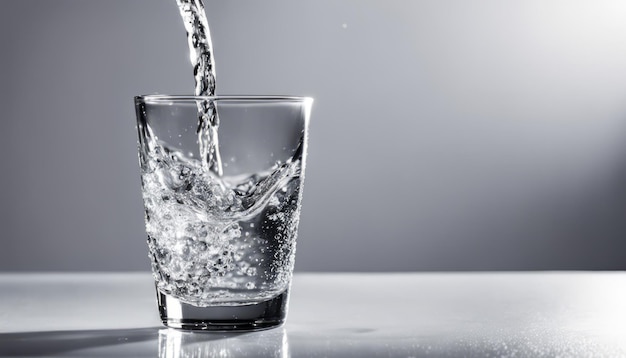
(549, 55)
(539, 90)
(591, 32)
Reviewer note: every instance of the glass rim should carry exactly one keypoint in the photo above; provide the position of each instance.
(158, 98)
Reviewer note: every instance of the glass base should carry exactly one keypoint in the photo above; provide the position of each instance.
(253, 317)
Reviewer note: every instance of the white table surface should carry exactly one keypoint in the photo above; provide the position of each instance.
(541, 314)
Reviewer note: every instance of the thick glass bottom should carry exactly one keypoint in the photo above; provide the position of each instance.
(252, 317)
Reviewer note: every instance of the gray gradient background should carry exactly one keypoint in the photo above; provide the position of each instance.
(446, 135)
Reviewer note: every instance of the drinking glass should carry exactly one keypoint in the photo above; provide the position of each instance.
(222, 223)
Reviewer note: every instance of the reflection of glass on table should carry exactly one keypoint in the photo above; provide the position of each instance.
(180, 344)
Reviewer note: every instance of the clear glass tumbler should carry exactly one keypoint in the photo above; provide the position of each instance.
(222, 232)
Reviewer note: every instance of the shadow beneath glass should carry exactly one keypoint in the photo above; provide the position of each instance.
(167, 342)
(50, 342)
